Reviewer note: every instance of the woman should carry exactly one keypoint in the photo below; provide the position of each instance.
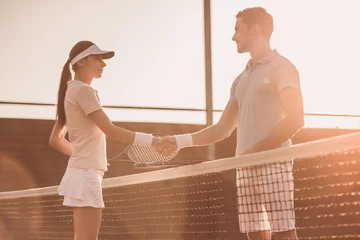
(80, 114)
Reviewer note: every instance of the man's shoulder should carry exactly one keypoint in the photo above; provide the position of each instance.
(282, 66)
(281, 60)
(238, 78)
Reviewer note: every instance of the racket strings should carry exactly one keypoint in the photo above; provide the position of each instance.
(147, 155)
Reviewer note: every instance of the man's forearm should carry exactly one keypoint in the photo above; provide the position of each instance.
(284, 131)
(210, 135)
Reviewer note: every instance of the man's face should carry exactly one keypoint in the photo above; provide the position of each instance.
(242, 36)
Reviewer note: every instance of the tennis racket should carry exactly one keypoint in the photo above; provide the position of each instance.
(148, 157)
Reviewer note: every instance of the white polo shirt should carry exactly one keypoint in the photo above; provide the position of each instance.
(257, 94)
(87, 140)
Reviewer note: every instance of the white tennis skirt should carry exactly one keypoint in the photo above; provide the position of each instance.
(82, 188)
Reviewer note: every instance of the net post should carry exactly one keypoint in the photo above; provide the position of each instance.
(208, 73)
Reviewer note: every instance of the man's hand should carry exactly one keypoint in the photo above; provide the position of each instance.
(165, 146)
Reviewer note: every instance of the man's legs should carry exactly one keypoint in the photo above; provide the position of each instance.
(266, 202)
(266, 235)
(286, 235)
(253, 219)
(280, 207)
(261, 235)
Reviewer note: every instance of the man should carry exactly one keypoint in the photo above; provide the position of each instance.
(266, 107)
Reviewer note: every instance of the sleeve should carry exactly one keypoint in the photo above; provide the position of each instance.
(232, 91)
(87, 100)
(233, 88)
(286, 75)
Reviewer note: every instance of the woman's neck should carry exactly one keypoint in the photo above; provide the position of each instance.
(83, 78)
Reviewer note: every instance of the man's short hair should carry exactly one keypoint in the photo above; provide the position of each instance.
(258, 15)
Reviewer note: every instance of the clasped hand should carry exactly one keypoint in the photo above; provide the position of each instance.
(165, 146)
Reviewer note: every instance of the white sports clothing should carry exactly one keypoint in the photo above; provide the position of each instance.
(266, 198)
(82, 188)
(81, 184)
(86, 138)
(257, 94)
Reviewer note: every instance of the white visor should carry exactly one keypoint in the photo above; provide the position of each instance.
(93, 50)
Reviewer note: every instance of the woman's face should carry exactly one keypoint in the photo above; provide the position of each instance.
(93, 66)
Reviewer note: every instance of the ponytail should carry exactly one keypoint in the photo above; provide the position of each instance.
(65, 77)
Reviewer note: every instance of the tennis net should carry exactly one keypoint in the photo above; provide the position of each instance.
(314, 186)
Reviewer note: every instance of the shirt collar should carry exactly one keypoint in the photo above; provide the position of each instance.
(267, 58)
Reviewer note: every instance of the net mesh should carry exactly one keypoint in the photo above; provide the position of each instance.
(314, 187)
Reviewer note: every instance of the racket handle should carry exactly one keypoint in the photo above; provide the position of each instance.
(140, 165)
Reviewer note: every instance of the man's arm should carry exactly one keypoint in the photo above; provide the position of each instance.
(289, 126)
(57, 139)
(286, 79)
(208, 135)
(220, 130)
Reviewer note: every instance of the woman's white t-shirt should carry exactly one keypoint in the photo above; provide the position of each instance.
(86, 138)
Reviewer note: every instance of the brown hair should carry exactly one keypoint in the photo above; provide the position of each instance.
(258, 15)
(65, 77)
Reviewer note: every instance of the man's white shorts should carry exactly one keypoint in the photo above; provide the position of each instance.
(265, 197)
(82, 188)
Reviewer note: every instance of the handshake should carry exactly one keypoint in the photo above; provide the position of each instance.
(167, 145)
